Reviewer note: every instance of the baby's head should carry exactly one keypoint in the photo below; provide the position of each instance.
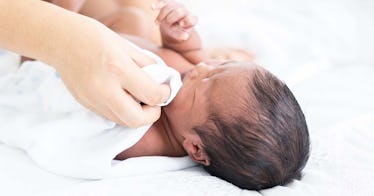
(242, 124)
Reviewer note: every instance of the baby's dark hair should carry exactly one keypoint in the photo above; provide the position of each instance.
(264, 143)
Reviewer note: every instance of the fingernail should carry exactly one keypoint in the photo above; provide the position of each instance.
(182, 23)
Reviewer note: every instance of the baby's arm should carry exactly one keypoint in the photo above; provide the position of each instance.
(177, 31)
(72, 5)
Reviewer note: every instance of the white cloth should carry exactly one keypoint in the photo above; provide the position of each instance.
(38, 115)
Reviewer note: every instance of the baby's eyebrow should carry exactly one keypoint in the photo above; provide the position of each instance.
(227, 62)
(215, 71)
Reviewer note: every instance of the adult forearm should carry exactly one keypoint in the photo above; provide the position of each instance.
(96, 65)
(46, 32)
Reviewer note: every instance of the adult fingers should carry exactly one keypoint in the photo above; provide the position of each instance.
(138, 83)
(142, 87)
(130, 112)
(138, 57)
(100, 109)
(106, 112)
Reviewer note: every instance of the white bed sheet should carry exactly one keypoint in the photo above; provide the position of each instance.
(323, 49)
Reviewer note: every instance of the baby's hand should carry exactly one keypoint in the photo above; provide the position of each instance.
(176, 23)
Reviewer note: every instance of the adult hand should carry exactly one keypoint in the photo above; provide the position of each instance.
(108, 83)
(99, 67)
(103, 90)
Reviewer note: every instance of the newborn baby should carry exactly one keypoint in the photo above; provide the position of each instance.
(236, 119)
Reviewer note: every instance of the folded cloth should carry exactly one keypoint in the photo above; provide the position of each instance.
(38, 115)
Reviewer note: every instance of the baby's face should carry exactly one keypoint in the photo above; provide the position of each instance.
(206, 86)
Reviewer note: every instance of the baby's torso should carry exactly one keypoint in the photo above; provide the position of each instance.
(149, 145)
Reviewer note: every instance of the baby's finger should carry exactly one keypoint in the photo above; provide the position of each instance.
(166, 11)
(159, 5)
(181, 34)
(176, 15)
(189, 21)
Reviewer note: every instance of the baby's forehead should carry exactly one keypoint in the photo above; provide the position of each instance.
(238, 71)
(234, 88)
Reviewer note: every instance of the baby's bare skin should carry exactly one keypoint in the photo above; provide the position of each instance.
(138, 26)
(159, 139)
(171, 135)
(133, 23)
(115, 15)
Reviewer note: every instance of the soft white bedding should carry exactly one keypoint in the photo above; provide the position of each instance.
(323, 49)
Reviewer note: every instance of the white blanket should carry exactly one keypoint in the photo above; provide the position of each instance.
(38, 115)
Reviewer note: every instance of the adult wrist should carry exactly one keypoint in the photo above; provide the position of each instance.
(85, 43)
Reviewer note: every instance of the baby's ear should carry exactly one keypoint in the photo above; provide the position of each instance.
(195, 150)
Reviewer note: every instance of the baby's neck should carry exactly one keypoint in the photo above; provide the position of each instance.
(158, 141)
